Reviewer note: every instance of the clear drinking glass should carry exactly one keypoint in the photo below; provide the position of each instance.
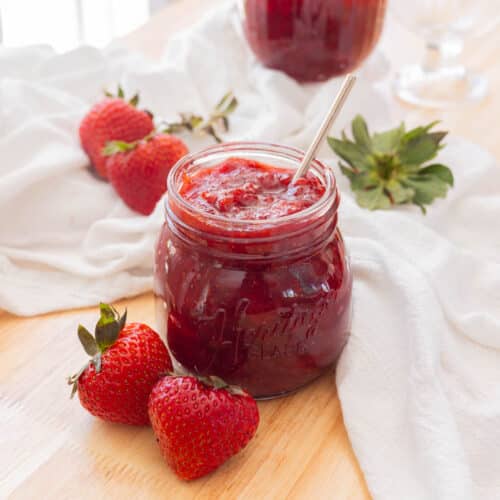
(441, 80)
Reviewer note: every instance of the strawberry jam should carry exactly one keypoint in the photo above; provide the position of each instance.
(251, 274)
(313, 40)
(246, 189)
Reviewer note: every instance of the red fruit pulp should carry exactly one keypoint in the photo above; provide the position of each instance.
(246, 189)
(313, 40)
(262, 299)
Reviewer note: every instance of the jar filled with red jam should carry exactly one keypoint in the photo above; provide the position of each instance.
(251, 275)
(313, 40)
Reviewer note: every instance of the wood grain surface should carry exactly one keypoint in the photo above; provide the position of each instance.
(50, 448)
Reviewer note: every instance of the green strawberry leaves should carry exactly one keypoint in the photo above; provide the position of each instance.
(214, 125)
(417, 146)
(373, 198)
(120, 94)
(106, 332)
(387, 142)
(361, 134)
(88, 341)
(218, 383)
(114, 147)
(134, 100)
(349, 152)
(427, 187)
(388, 169)
(440, 171)
(108, 327)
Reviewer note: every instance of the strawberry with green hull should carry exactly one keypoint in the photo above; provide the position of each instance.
(127, 360)
(138, 170)
(200, 422)
(389, 168)
(112, 119)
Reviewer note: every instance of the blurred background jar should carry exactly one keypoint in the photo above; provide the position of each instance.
(312, 40)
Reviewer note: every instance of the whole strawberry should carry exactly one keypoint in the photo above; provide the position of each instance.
(200, 424)
(112, 119)
(138, 171)
(127, 361)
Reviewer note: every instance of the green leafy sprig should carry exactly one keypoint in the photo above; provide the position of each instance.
(390, 168)
(214, 125)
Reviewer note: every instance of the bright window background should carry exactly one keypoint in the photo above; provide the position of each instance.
(65, 24)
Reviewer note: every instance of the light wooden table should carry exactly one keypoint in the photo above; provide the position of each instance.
(50, 448)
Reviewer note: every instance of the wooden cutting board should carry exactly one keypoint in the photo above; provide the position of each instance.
(50, 448)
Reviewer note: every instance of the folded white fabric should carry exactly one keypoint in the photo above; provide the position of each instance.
(419, 381)
(66, 239)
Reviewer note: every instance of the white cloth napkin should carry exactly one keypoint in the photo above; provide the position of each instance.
(66, 239)
(419, 381)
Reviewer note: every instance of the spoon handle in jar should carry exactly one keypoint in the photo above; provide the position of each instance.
(332, 114)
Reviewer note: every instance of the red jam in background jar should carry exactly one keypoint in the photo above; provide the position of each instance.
(313, 40)
(251, 275)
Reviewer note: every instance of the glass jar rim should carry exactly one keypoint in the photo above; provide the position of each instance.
(318, 168)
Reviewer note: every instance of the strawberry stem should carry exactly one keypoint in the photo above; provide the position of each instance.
(107, 330)
(114, 147)
(216, 123)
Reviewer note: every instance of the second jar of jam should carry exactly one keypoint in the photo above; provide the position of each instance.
(251, 275)
(312, 40)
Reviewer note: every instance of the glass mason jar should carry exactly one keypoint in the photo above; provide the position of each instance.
(312, 40)
(264, 304)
